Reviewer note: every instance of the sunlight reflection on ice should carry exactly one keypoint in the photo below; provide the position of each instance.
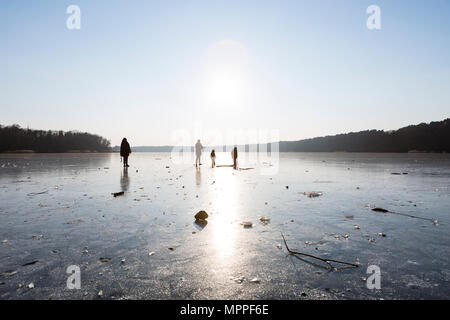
(225, 208)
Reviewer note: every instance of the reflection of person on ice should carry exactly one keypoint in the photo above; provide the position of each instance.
(198, 153)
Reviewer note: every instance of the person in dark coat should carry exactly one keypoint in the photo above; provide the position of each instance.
(213, 158)
(125, 151)
(234, 154)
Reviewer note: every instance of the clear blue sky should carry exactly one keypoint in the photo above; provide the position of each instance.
(144, 69)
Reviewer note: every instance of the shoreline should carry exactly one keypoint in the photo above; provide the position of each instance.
(318, 152)
(58, 152)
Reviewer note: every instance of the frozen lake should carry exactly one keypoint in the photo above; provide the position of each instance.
(57, 210)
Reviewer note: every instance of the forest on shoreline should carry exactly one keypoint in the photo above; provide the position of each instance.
(424, 137)
(16, 139)
(431, 137)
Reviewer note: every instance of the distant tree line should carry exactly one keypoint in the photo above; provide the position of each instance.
(15, 138)
(432, 137)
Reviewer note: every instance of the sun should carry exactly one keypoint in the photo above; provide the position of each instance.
(226, 73)
(226, 85)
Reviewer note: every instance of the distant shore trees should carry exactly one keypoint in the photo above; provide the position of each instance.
(432, 137)
(16, 139)
(424, 137)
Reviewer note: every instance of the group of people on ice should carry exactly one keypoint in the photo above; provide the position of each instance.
(125, 151)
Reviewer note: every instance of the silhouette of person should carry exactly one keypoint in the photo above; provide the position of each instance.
(234, 154)
(198, 152)
(213, 158)
(125, 151)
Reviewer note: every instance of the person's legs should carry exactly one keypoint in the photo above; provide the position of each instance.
(125, 161)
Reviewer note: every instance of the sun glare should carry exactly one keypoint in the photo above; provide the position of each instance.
(225, 85)
(226, 72)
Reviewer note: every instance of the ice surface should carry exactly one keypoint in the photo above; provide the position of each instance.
(59, 209)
